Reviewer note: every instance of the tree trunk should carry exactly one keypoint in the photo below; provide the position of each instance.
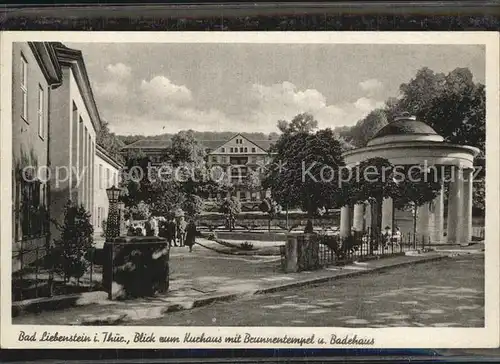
(286, 217)
(415, 226)
(269, 224)
(376, 212)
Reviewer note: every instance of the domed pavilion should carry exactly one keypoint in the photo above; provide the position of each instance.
(407, 141)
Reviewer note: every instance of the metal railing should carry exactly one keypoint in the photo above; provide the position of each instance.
(334, 250)
(38, 273)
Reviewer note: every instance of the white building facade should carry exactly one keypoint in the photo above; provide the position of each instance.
(107, 174)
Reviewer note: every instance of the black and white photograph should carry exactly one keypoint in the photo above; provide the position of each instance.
(249, 190)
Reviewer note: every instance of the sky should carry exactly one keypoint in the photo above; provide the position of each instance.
(157, 88)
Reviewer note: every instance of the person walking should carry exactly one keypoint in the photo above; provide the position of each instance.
(171, 230)
(150, 231)
(181, 230)
(190, 235)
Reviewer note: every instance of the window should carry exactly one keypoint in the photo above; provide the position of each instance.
(41, 121)
(223, 150)
(214, 159)
(32, 209)
(253, 150)
(230, 150)
(246, 150)
(241, 149)
(224, 159)
(24, 88)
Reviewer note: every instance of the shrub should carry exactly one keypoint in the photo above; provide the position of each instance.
(75, 241)
(246, 246)
(211, 236)
(140, 212)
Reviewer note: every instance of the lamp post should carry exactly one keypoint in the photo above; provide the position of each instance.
(113, 226)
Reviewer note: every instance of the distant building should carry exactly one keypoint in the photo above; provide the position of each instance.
(35, 72)
(153, 149)
(239, 155)
(107, 174)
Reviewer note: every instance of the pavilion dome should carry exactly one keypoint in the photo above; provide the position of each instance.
(405, 128)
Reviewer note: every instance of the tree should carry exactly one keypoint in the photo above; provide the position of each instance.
(372, 180)
(416, 188)
(139, 212)
(301, 123)
(230, 207)
(75, 241)
(306, 169)
(110, 142)
(185, 149)
(452, 104)
(252, 181)
(192, 205)
(271, 208)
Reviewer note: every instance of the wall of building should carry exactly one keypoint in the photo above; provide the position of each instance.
(72, 147)
(29, 146)
(106, 176)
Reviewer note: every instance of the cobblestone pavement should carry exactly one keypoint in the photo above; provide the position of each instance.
(447, 293)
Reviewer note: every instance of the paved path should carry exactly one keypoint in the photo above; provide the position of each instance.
(200, 278)
(448, 293)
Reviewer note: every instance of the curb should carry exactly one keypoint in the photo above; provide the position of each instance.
(321, 280)
(57, 302)
(119, 319)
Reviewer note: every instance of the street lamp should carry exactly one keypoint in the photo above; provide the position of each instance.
(113, 194)
(114, 224)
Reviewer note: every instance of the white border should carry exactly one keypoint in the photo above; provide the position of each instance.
(488, 336)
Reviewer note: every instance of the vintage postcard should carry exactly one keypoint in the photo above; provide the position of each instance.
(249, 190)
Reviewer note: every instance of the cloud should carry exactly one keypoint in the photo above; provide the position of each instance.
(161, 106)
(119, 70)
(271, 103)
(371, 85)
(163, 90)
(367, 104)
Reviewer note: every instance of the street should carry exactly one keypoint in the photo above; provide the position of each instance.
(448, 293)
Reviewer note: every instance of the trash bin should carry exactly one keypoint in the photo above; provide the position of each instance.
(135, 266)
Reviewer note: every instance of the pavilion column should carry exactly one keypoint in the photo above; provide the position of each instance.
(455, 206)
(387, 213)
(437, 213)
(345, 221)
(368, 215)
(358, 220)
(423, 223)
(467, 207)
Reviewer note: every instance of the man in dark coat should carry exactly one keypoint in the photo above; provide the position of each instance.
(171, 231)
(190, 235)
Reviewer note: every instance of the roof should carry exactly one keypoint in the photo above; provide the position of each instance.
(208, 144)
(405, 126)
(103, 154)
(212, 144)
(264, 144)
(74, 58)
(149, 144)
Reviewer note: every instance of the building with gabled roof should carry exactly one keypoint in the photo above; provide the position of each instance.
(238, 154)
